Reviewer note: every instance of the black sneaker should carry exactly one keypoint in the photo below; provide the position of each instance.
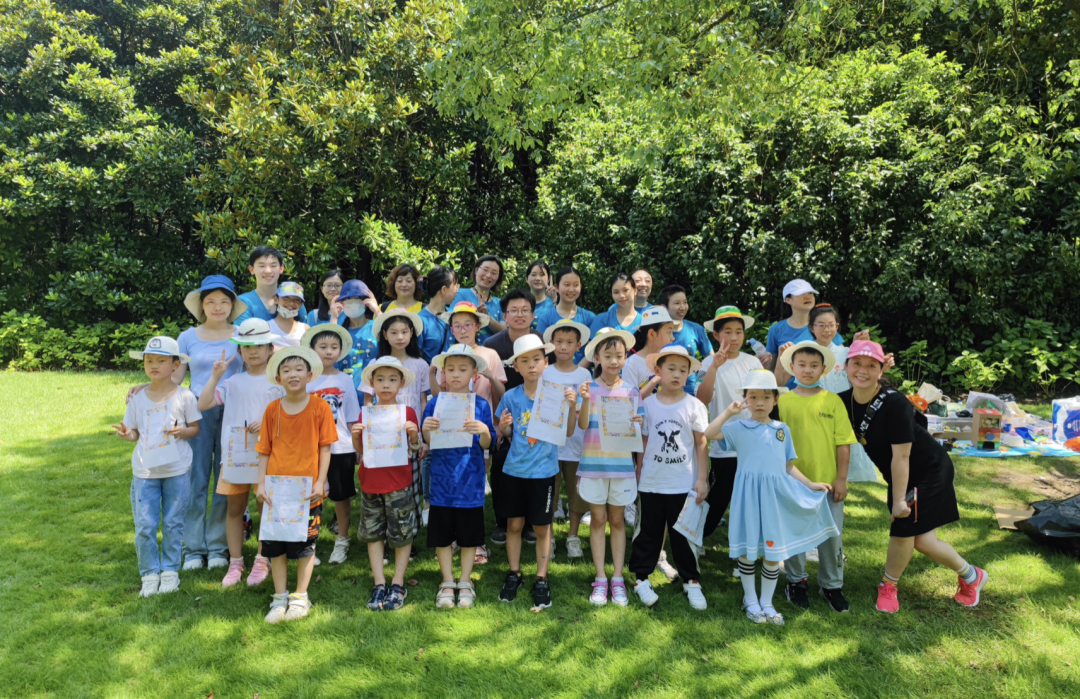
(510, 587)
(498, 537)
(836, 600)
(541, 593)
(798, 594)
(378, 597)
(395, 599)
(529, 536)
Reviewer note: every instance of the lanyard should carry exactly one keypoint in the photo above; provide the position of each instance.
(871, 410)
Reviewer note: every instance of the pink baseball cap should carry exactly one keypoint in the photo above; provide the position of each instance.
(866, 348)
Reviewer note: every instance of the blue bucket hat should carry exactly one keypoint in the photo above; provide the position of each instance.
(354, 289)
(215, 282)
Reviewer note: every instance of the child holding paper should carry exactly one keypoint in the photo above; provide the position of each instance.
(457, 474)
(160, 463)
(607, 474)
(673, 466)
(528, 483)
(245, 397)
(332, 342)
(388, 507)
(294, 441)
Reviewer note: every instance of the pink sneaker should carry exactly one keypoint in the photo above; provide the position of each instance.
(259, 570)
(886, 598)
(236, 569)
(968, 594)
(599, 593)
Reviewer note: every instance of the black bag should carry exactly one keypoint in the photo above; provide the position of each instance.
(1055, 523)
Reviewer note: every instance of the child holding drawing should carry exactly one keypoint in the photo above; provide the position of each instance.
(245, 397)
(294, 441)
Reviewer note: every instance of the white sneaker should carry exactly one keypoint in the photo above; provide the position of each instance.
(560, 513)
(317, 561)
(278, 606)
(150, 585)
(645, 593)
(630, 514)
(341, 548)
(424, 516)
(170, 582)
(573, 547)
(666, 568)
(586, 518)
(298, 607)
(193, 563)
(217, 562)
(694, 594)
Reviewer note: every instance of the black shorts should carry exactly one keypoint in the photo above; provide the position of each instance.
(531, 498)
(341, 476)
(465, 525)
(294, 550)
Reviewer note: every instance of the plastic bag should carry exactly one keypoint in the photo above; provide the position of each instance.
(1065, 414)
(1055, 523)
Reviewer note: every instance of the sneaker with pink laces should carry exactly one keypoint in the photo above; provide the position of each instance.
(886, 598)
(599, 593)
(969, 593)
(618, 593)
(260, 569)
(236, 570)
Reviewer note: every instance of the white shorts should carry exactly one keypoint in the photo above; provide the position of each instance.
(608, 491)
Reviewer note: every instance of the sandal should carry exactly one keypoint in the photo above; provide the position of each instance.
(466, 594)
(481, 556)
(445, 598)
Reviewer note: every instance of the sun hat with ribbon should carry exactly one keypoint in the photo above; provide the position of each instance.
(725, 313)
(459, 351)
(566, 324)
(761, 380)
(161, 344)
(607, 334)
(215, 282)
(465, 307)
(306, 353)
(387, 361)
(672, 350)
(341, 332)
(826, 353)
(387, 316)
(528, 343)
(254, 331)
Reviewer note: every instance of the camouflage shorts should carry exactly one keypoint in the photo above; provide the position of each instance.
(389, 516)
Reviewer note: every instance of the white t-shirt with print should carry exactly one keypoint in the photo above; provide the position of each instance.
(245, 398)
(150, 419)
(571, 451)
(636, 372)
(669, 464)
(410, 395)
(727, 389)
(340, 394)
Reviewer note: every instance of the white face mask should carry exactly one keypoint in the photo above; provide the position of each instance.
(287, 312)
(352, 308)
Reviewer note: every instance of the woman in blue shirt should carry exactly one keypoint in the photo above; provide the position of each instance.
(568, 290)
(687, 333)
(538, 277)
(329, 309)
(622, 315)
(441, 287)
(799, 300)
(488, 276)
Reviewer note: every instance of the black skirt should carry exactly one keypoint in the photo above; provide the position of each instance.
(936, 503)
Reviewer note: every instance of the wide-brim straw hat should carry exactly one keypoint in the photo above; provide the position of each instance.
(826, 353)
(393, 363)
(215, 282)
(672, 351)
(567, 324)
(725, 313)
(387, 316)
(528, 343)
(254, 331)
(313, 360)
(465, 307)
(341, 332)
(761, 380)
(606, 334)
(459, 350)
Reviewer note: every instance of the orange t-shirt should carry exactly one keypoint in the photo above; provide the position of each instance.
(292, 441)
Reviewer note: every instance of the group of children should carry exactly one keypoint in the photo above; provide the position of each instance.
(301, 401)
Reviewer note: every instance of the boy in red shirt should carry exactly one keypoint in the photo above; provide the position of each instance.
(388, 508)
(294, 440)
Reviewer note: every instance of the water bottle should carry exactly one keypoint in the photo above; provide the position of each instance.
(759, 350)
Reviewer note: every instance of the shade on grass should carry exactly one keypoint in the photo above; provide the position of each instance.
(73, 625)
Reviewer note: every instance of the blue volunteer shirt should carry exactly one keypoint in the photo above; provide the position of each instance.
(436, 337)
(312, 319)
(257, 309)
(696, 341)
(781, 333)
(610, 319)
(494, 310)
(457, 475)
(365, 349)
(546, 303)
(527, 458)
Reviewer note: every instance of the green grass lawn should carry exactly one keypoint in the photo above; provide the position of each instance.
(73, 625)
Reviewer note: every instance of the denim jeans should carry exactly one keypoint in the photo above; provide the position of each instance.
(830, 572)
(155, 500)
(203, 536)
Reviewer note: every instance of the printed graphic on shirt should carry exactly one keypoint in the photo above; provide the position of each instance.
(780, 435)
(523, 424)
(671, 451)
(334, 397)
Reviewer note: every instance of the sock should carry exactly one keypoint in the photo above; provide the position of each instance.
(343, 538)
(601, 580)
(746, 574)
(967, 573)
(614, 580)
(886, 578)
(769, 576)
(300, 595)
(233, 560)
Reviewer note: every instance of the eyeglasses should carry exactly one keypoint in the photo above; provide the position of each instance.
(332, 287)
(464, 326)
(830, 326)
(518, 312)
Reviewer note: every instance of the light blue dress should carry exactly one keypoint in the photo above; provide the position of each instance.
(772, 514)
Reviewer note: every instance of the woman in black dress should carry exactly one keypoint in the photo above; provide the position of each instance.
(919, 473)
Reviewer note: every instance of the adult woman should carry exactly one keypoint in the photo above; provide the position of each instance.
(919, 473)
(441, 287)
(622, 315)
(329, 309)
(687, 333)
(403, 289)
(538, 276)
(356, 300)
(488, 275)
(642, 283)
(568, 291)
(215, 306)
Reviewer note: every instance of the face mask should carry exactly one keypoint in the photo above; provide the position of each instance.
(287, 312)
(816, 384)
(353, 308)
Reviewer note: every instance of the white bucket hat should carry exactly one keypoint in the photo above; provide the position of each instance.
(655, 315)
(391, 362)
(254, 331)
(460, 351)
(567, 324)
(306, 353)
(528, 343)
(161, 344)
(826, 353)
(386, 316)
(761, 380)
(606, 334)
(341, 332)
(672, 351)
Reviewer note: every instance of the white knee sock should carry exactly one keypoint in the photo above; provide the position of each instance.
(769, 575)
(746, 574)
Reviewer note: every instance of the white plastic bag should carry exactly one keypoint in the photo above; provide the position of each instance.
(1065, 414)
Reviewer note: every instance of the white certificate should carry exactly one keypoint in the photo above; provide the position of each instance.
(385, 440)
(550, 413)
(285, 517)
(617, 433)
(158, 448)
(452, 410)
(691, 522)
(240, 463)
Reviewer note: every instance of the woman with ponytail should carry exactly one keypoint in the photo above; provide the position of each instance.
(441, 286)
